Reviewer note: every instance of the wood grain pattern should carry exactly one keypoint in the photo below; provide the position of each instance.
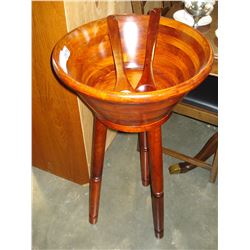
(191, 160)
(183, 58)
(57, 144)
(83, 61)
(214, 70)
(122, 84)
(147, 82)
(99, 138)
(214, 169)
(156, 178)
(208, 31)
(144, 158)
(198, 160)
(209, 149)
(78, 13)
(196, 113)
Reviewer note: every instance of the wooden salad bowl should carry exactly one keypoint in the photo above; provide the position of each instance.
(99, 59)
(83, 61)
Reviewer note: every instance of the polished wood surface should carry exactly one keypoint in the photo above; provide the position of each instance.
(156, 178)
(198, 160)
(144, 158)
(122, 83)
(147, 82)
(176, 168)
(208, 31)
(209, 149)
(196, 113)
(57, 144)
(83, 61)
(99, 138)
(214, 168)
(183, 58)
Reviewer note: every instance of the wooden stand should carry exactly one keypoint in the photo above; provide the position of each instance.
(102, 62)
(151, 169)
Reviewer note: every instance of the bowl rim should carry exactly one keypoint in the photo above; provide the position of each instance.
(136, 97)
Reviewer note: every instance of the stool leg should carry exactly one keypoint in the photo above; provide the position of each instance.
(144, 158)
(99, 139)
(214, 169)
(156, 174)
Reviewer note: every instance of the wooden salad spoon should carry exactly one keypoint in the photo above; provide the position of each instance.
(147, 82)
(122, 84)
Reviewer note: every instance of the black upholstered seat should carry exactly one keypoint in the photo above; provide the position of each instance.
(205, 95)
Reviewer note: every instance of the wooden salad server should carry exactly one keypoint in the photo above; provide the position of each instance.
(122, 84)
(147, 82)
(133, 112)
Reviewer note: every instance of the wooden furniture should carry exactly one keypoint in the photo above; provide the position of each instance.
(83, 61)
(209, 149)
(205, 99)
(61, 124)
(201, 104)
(57, 144)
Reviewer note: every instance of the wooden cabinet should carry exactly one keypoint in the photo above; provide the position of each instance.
(57, 144)
(61, 123)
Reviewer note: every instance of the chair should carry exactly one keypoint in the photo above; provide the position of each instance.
(201, 104)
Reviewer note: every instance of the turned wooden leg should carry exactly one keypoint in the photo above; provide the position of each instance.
(99, 139)
(144, 158)
(208, 149)
(156, 178)
(214, 169)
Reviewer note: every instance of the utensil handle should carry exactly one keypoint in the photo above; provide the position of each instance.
(122, 82)
(146, 82)
(153, 28)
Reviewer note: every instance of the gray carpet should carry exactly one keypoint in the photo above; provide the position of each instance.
(60, 207)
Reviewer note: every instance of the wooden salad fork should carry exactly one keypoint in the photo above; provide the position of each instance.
(122, 84)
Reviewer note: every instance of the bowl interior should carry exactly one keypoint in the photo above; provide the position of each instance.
(85, 54)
